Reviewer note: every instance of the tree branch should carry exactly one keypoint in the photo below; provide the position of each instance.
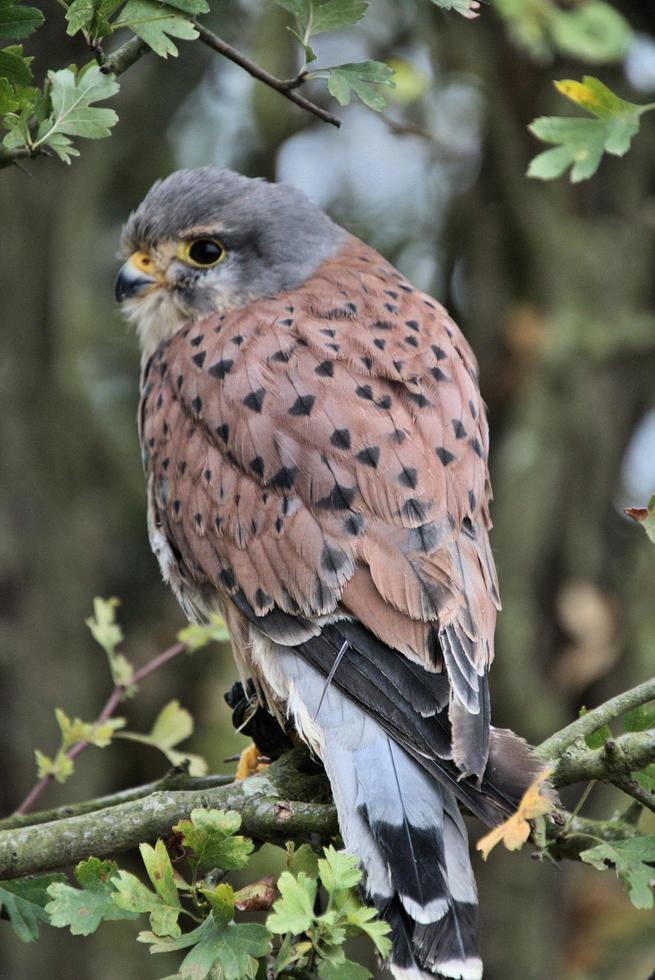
(613, 763)
(176, 778)
(285, 88)
(555, 746)
(134, 49)
(285, 802)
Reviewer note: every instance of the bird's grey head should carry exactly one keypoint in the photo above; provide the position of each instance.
(210, 240)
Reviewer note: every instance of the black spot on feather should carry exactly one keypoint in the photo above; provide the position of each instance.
(220, 369)
(303, 405)
(255, 400)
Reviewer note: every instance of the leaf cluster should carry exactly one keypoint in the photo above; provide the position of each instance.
(363, 79)
(191, 892)
(314, 940)
(592, 31)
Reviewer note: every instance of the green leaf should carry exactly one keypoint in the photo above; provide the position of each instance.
(73, 731)
(17, 21)
(338, 870)
(221, 901)
(315, 17)
(632, 860)
(196, 636)
(343, 969)
(364, 918)
(14, 66)
(209, 834)
(227, 952)
(581, 142)
(60, 768)
(646, 777)
(160, 871)
(172, 725)
(302, 858)
(155, 23)
(192, 7)
(591, 31)
(77, 98)
(9, 101)
(294, 910)
(83, 909)
(360, 79)
(644, 516)
(23, 901)
(80, 16)
(133, 896)
(640, 719)
(467, 8)
(598, 738)
(73, 114)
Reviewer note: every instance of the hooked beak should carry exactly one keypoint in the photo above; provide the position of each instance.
(135, 276)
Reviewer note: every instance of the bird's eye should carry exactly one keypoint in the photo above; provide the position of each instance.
(201, 252)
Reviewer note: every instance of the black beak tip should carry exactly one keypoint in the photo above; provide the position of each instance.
(129, 282)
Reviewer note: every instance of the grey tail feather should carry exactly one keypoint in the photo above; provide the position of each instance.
(406, 829)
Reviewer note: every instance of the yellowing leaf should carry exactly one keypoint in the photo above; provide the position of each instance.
(514, 831)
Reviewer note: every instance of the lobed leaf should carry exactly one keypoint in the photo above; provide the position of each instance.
(23, 902)
(294, 910)
(14, 65)
(210, 836)
(83, 909)
(581, 142)
(338, 870)
(156, 23)
(361, 80)
(17, 21)
(633, 862)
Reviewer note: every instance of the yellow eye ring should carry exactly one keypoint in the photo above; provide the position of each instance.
(201, 253)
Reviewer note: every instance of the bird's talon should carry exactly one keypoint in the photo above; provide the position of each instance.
(250, 762)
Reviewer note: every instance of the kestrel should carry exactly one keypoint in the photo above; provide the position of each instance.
(315, 447)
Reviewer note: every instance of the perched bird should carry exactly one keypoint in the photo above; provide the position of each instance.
(315, 446)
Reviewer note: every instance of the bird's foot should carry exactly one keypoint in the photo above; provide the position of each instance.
(250, 762)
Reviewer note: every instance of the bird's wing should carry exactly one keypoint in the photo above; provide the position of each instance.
(324, 452)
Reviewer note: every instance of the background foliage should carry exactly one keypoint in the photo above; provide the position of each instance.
(552, 284)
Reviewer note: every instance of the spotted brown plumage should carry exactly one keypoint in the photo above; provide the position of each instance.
(316, 448)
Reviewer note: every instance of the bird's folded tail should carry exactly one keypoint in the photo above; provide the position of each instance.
(405, 827)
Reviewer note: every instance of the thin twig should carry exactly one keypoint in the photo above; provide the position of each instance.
(285, 88)
(123, 58)
(110, 706)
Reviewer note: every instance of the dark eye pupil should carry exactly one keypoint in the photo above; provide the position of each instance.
(205, 251)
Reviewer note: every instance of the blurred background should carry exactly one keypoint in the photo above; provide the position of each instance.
(553, 285)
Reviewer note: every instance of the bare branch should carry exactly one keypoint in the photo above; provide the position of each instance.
(285, 88)
(123, 58)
